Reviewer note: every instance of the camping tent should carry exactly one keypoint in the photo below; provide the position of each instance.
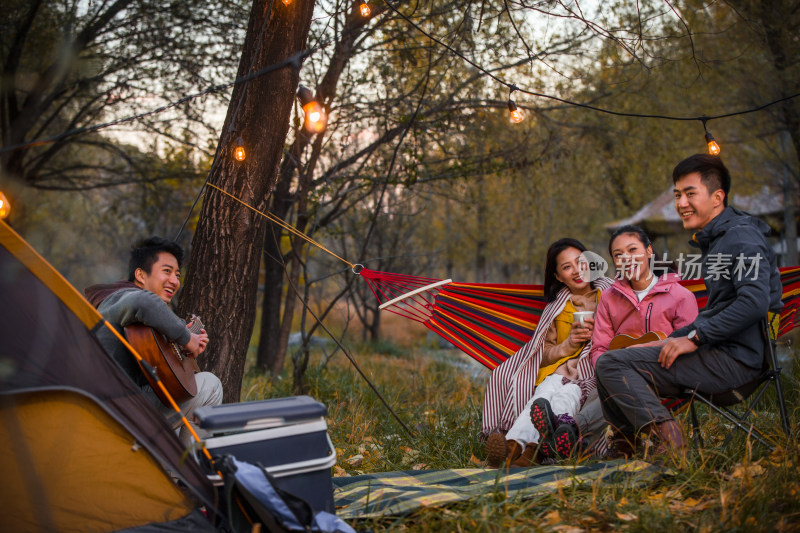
(80, 447)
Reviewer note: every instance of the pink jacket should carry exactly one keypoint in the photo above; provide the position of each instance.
(667, 307)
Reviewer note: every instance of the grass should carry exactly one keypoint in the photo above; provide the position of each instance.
(742, 488)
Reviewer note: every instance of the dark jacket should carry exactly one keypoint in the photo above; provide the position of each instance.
(123, 303)
(743, 282)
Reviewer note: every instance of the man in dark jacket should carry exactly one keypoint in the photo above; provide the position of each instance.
(723, 348)
(153, 279)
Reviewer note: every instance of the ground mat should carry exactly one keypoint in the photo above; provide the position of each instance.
(398, 493)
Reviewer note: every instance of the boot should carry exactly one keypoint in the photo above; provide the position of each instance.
(528, 457)
(622, 446)
(496, 450)
(669, 435)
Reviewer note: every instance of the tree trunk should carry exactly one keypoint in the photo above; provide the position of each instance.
(226, 248)
(275, 327)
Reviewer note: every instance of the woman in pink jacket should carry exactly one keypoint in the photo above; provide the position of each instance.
(639, 301)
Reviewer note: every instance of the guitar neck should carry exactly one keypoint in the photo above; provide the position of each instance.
(196, 324)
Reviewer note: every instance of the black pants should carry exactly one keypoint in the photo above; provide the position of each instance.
(631, 382)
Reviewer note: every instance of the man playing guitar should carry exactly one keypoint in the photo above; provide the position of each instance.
(153, 279)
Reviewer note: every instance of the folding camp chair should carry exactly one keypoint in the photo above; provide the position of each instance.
(722, 402)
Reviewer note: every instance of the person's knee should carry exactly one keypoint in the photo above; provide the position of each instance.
(607, 364)
(209, 387)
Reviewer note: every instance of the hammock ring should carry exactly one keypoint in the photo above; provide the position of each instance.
(358, 266)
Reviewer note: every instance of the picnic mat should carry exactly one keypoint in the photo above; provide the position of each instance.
(397, 493)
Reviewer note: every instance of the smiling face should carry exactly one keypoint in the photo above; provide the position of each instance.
(568, 271)
(695, 204)
(164, 278)
(632, 257)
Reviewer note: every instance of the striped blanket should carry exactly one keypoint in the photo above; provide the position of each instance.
(398, 493)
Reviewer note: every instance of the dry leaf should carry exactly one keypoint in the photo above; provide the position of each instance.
(741, 471)
(420, 466)
(338, 471)
(622, 501)
(477, 462)
(566, 528)
(356, 460)
(627, 517)
(553, 518)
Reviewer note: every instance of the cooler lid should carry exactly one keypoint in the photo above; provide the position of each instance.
(260, 414)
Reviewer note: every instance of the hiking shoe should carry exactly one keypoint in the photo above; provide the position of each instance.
(544, 420)
(496, 450)
(566, 439)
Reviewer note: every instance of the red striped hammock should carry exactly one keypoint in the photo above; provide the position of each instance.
(491, 321)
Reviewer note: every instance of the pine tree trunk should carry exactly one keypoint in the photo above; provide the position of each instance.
(226, 248)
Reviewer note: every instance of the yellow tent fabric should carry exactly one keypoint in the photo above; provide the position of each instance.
(69, 466)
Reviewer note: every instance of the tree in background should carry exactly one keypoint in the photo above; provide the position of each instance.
(72, 65)
(226, 248)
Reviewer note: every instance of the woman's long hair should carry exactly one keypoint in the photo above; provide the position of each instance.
(551, 285)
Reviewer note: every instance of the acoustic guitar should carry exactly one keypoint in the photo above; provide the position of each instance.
(174, 366)
(624, 341)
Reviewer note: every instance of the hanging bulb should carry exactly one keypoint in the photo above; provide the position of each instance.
(316, 118)
(238, 152)
(287, 2)
(364, 7)
(516, 114)
(5, 207)
(713, 147)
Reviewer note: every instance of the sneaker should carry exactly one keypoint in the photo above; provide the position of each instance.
(566, 439)
(544, 420)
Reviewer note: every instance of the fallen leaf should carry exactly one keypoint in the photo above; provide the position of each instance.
(338, 471)
(622, 501)
(553, 518)
(627, 517)
(741, 471)
(356, 460)
(566, 528)
(477, 462)
(420, 466)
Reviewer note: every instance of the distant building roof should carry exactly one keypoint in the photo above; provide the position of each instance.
(660, 218)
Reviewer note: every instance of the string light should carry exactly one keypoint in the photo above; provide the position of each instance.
(516, 114)
(238, 153)
(5, 207)
(364, 7)
(316, 118)
(713, 147)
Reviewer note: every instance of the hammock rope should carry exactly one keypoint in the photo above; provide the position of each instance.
(285, 226)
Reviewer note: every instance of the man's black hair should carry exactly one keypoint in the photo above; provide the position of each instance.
(145, 253)
(713, 173)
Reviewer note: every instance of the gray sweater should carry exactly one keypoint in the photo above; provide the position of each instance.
(123, 304)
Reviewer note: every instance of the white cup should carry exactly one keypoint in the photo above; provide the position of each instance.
(580, 316)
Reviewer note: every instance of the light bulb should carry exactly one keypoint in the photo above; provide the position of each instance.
(5, 207)
(516, 114)
(713, 147)
(238, 152)
(287, 2)
(316, 119)
(364, 7)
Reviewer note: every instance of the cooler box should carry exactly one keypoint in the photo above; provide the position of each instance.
(288, 436)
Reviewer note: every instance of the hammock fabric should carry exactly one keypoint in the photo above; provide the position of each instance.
(490, 322)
